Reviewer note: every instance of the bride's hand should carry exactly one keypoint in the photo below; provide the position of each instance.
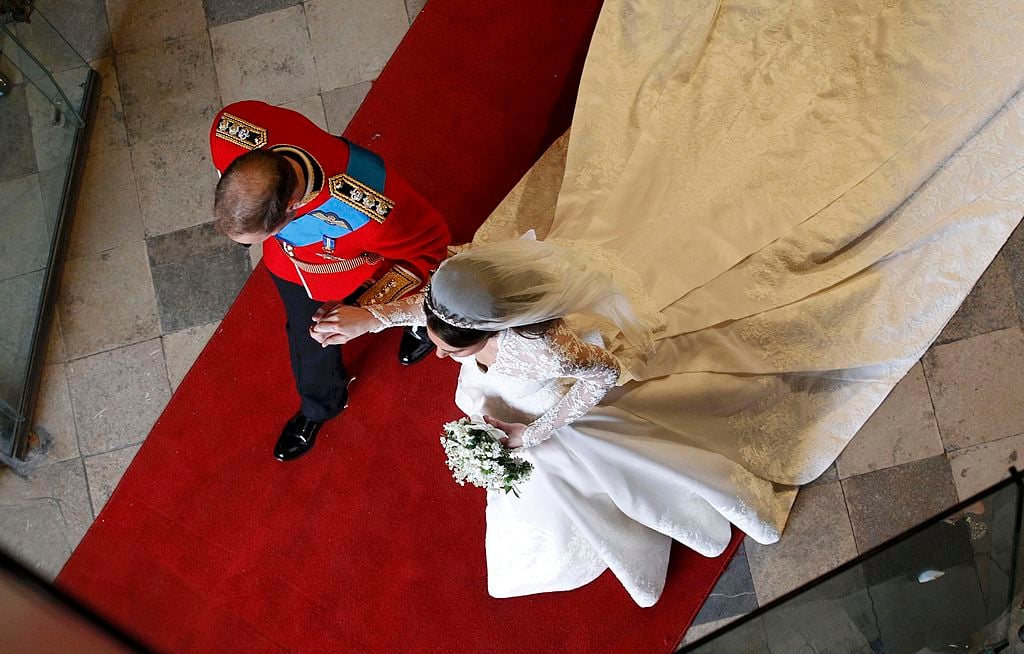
(338, 323)
(514, 431)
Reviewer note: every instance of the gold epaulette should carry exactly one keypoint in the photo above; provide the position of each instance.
(241, 132)
(359, 196)
(391, 286)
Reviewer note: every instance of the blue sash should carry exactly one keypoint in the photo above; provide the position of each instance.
(334, 219)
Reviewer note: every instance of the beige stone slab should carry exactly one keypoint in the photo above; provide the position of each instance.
(34, 533)
(181, 349)
(976, 468)
(255, 254)
(414, 7)
(108, 130)
(53, 414)
(354, 39)
(830, 474)
(107, 300)
(107, 214)
(105, 471)
(118, 395)
(135, 25)
(176, 182)
(817, 538)
(311, 107)
(901, 430)
(267, 57)
(63, 484)
(976, 387)
(168, 90)
(55, 340)
(340, 105)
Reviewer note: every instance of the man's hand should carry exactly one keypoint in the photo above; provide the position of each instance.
(514, 430)
(337, 323)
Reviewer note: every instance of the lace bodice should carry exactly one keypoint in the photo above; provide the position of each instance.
(546, 382)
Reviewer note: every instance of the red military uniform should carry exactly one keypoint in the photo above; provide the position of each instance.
(346, 232)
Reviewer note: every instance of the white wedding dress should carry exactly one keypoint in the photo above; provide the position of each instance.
(798, 195)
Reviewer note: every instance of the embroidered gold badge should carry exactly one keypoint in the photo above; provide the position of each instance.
(241, 132)
(391, 286)
(361, 197)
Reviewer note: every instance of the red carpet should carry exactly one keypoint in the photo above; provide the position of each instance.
(365, 545)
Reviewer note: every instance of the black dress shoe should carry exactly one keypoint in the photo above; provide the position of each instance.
(414, 346)
(297, 437)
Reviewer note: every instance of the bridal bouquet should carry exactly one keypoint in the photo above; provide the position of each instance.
(475, 455)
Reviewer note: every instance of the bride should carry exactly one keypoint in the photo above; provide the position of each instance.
(764, 215)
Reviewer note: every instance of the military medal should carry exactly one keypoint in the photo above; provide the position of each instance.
(329, 243)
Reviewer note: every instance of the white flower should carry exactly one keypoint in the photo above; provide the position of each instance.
(476, 455)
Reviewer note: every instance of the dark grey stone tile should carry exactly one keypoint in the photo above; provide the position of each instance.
(1013, 254)
(885, 503)
(197, 273)
(82, 22)
(733, 594)
(19, 155)
(220, 12)
(990, 306)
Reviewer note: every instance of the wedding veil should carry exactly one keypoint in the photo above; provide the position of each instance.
(497, 286)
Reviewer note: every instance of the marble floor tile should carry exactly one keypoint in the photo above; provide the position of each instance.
(118, 395)
(197, 273)
(24, 247)
(221, 12)
(107, 300)
(53, 414)
(354, 39)
(63, 487)
(163, 170)
(16, 332)
(733, 594)
(340, 105)
(107, 214)
(885, 503)
(311, 107)
(181, 349)
(16, 135)
(989, 307)
(975, 387)
(104, 472)
(135, 25)
(82, 22)
(817, 538)
(901, 430)
(413, 8)
(255, 255)
(1013, 254)
(168, 89)
(976, 468)
(108, 130)
(253, 63)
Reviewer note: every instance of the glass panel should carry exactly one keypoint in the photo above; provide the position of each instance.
(941, 588)
(40, 119)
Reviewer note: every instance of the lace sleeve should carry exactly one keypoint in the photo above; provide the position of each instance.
(400, 313)
(595, 370)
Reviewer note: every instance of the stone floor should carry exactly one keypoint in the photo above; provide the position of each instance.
(128, 329)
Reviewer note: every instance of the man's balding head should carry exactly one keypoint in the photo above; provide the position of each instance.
(253, 194)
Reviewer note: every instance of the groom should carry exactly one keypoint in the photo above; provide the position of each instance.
(337, 227)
